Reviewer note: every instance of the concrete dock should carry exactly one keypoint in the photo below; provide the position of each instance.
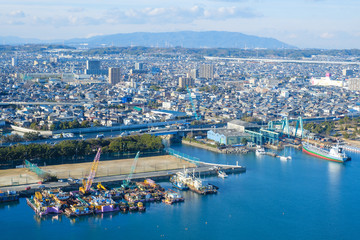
(204, 169)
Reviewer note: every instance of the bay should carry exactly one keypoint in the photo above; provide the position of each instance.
(302, 198)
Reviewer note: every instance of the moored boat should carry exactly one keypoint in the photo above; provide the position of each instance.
(260, 151)
(9, 196)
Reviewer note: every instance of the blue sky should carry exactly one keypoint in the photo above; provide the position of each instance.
(303, 23)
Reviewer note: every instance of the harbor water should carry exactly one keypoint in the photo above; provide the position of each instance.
(302, 198)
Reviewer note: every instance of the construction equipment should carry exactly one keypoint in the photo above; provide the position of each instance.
(126, 183)
(87, 184)
(101, 187)
(192, 104)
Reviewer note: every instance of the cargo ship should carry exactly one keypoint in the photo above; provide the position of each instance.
(335, 153)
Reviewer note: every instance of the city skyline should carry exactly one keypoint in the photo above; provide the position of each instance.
(302, 23)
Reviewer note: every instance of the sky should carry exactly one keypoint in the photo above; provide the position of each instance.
(330, 24)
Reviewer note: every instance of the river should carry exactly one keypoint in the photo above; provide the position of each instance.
(302, 198)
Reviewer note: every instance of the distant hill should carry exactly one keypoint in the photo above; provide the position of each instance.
(187, 39)
(11, 40)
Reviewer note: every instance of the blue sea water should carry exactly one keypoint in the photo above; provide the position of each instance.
(303, 198)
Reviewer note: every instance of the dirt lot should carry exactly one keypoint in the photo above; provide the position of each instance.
(117, 167)
(17, 176)
(105, 168)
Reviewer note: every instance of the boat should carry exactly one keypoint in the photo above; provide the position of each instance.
(285, 158)
(180, 185)
(335, 153)
(8, 196)
(180, 179)
(141, 206)
(196, 185)
(222, 174)
(260, 151)
(171, 197)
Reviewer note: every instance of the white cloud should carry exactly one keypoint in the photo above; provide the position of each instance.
(177, 14)
(76, 10)
(17, 14)
(327, 35)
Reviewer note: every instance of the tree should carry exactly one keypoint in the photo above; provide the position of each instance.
(32, 136)
(155, 87)
(33, 126)
(85, 124)
(52, 127)
(96, 123)
(353, 135)
(244, 141)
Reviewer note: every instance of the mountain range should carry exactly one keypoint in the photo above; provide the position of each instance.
(187, 39)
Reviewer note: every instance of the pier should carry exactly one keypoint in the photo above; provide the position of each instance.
(204, 169)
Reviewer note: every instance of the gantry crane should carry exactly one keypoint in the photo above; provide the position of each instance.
(126, 182)
(87, 184)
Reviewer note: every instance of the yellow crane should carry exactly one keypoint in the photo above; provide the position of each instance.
(87, 184)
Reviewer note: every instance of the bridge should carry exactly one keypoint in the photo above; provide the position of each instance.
(177, 131)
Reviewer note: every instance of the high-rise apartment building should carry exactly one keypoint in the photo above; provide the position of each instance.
(114, 75)
(206, 71)
(194, 73)
(93, 68)
(14, 62)
(354, 84)
(139, 66)
(183, 82)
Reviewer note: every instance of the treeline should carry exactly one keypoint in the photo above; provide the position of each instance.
(320, 128)
(73, 148)
(29, 136)
(65, 125)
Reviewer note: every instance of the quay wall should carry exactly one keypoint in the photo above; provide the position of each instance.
(111, 181)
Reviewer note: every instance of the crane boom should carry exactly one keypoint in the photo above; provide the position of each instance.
(133, 167)
(92, 173)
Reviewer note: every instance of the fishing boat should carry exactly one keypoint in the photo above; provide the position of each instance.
(102, 205)
(141, 206)
(8, 196)
(171, 197)
(334, 153)
(180, 185)
(222, 174)
(260, 151)
(196, 185)
(180, 179)
(132, 207)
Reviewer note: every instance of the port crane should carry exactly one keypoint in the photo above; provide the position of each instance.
(87, 184)
(126, 183)
(197, 117)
